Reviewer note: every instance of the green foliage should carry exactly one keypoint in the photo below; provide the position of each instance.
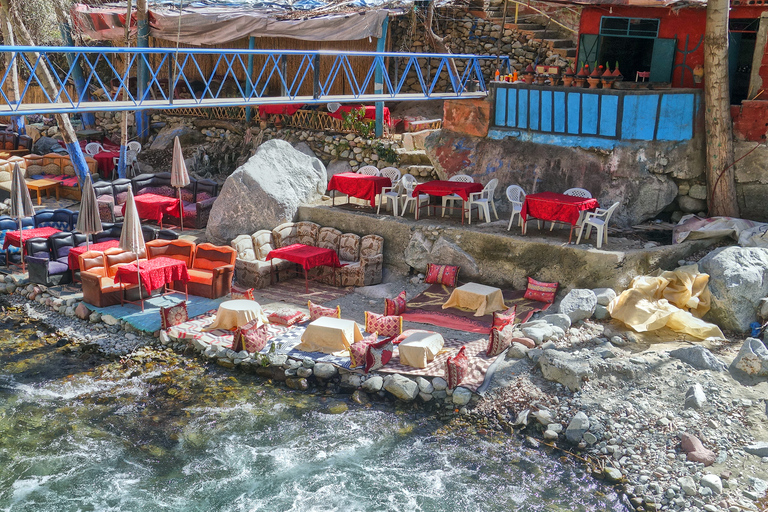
(355, 120)
(386, 154)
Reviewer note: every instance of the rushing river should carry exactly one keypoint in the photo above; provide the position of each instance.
(78, 433)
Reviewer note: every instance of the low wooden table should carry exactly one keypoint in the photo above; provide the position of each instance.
(43, 185)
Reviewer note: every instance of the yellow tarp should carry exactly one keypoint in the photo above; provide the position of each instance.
(676, 299)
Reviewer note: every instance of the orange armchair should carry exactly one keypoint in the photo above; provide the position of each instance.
(212, 270)
(99, 288)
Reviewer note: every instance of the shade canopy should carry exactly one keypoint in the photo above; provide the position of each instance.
(131, 237)
(179, 174)
(89, 222)
(21, 203)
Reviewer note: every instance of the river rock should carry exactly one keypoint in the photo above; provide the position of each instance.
(277, 359)
(604, 296)
(298, 383)
(109, 319)
(738, 281)
(712, 482)
(187, 136)
(266, 191)
(517, 351)
(695, 397)
(351, 380)
(688, 485)
(560, 320)
(613, 475)
(360, 397)
(373, 384)
(760, 449)
(543, 416)
(439, 384)
(695, 451)
(564, 368)
(424, 385)
(577, 427)
(698, 357)
(601, 312)
(752, 359)
(82, 312)
(578, 304)
(542, 331)
(325, 371)
(461, 396)
(402, 387)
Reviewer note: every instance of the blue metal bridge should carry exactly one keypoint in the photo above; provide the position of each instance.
(169, 78)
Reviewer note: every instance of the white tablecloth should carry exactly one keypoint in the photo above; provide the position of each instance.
(420, 348)
(330, 336)
(237, 313)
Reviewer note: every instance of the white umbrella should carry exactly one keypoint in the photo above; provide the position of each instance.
(131, 237)
(89, 221)
(179, 175)
(21, 205)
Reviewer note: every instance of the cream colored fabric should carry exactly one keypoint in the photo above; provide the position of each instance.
(483, 299)
(237, 313)
(420, 348)
(676, 299)
(330, 336)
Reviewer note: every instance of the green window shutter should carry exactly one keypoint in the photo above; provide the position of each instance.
(663, 59)
(588, 46)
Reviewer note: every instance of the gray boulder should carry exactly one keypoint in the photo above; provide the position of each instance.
(577, 427)
(558, 320)
(578, 304)
(738, 279)
(698, 357)
(420, 251)
(187, 136)
(752, 359)
(695, 397)
(542, 331)
(564, 368)
(402, 387)
(461, 396)
(325, 371)
(760, 449)
(266, 191)
(373, 384)
(303, 147)
(604, 295)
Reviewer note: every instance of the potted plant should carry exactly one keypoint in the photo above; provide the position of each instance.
(607, 78)
(617, 76)
(581, 76)
(568, 76)
(594, 77)
(528, 75)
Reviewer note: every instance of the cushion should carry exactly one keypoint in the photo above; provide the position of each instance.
(541, 291)
(395, 306)
(241, 293)
(359, 349)
(206, 264)
(456, 368)
(173, 315)
(250, 337)
(316, 311)
(385, 325)
(286, 317)
(498, 341)
(447, 275)
(503, 319)
(378, 355)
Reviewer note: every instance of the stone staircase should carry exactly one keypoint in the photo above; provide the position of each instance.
(552, 39)
(413, 158)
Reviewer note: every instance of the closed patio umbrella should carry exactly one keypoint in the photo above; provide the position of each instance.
(89, 221)
(179, 175)
(131, 237)
(21, 205)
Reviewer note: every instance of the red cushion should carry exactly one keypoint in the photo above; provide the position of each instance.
(250, 337)
(241, 293)
(498, 341)
(541, 291)
(173, 315)
(384, 325)
(359, 349)
(378, 355)
(447, 275)
(286, 317)
(395, 306)
(456, 368)
(501, 320)
(317, 311)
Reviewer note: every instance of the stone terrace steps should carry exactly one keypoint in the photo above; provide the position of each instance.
(413, 157)
(559, 45)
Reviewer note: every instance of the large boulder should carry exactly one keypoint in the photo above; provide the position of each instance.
(187, 136)
(421, 251)
(579, 304)
(698, 357)
(738, 279)
(266, 191)
(752, 359)
(564, 368)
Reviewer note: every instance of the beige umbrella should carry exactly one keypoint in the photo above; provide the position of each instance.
(179, 175)
(89, 221)
(131, 237)
(21, 205)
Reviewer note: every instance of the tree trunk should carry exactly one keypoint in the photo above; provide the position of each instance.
(124, 115)
(9, 40)
(438, 43)
(721, 186)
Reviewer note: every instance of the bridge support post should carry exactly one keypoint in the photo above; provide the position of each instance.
(378, 88)
(248, 88)
(142, 41)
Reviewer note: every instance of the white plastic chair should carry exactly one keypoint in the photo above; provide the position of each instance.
(93, 147)
(576, 192)
(461, 178)
(390, 193)
(516, 197)
(408, 183)
(599, 219)
(369, 170)
(482, 199)
(131, 162)
(135, 145)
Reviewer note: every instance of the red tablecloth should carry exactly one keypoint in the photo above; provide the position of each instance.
(105, 161)
(287, 109)
(12, 237)
(307, 256)
(556, 207)
(75, 252)
(359, 185)
(370, 112)
(154, 273)
(153, 206)
(446, 188)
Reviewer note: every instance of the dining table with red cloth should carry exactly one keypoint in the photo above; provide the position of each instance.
(105, 161)
(554, 207)
(440, 188)
(153, 206)
(281, 109)
(370, 112)
(306, 256)
(154, 273)
(357, 185)
(75, 252)
(13, 237)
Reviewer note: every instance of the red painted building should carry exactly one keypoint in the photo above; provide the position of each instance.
(665, 42)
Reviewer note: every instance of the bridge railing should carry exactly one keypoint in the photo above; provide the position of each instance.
(213, 77)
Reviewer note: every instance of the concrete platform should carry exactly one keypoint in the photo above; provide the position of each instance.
(490, 254)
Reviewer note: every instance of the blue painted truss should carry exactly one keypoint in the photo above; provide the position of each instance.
(213, 77)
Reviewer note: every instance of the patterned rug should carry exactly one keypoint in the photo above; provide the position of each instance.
(427, 308)
(294, 292)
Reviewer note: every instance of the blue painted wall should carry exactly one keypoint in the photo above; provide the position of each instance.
(621, 115)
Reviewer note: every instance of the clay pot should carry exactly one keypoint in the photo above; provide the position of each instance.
(607, 83)
(567, 81)
(528, 78)
(593, 82)
(541, 79)
(579, 82)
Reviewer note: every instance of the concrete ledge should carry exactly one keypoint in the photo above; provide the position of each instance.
(488, 254)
